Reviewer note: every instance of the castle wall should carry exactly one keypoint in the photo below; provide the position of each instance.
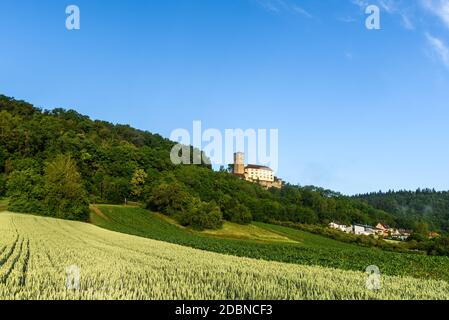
(239, 163)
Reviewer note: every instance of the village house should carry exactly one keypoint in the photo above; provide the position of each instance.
(363, 230)
(380, 230)
(340, 227)
(404, 234)
(358, 229)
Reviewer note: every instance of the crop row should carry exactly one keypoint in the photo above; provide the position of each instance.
(117, 266)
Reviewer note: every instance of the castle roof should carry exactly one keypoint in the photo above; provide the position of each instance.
(254, 166)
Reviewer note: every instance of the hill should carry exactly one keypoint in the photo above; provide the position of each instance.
(426, 207)
(35, 264)
(116, 163)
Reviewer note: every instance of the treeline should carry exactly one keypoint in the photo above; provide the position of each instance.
(421, 210)
(115, 163)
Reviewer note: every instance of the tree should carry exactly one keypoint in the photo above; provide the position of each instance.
(236, 212)
(421, 228)
(306, 216)
(170, 199)
(65, 196)
(116, 189)
(202, 215)
(26, 191)
(2, 185)
(137, 182)
(2, 159)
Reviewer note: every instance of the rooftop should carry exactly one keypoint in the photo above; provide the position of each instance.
(253, 166)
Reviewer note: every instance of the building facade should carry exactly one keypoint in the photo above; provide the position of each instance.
(261, 175)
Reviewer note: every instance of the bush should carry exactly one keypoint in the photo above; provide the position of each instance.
(26, 191)
(24, 164)
(202, 215)
(172, 199)
(24, 205)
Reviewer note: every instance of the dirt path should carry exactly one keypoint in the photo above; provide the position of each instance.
(98, 212)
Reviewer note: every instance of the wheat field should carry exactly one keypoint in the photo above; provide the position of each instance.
(38, 255)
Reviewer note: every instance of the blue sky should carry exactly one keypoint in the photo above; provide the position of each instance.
(357, 110)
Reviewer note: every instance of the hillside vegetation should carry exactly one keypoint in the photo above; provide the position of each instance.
(38, 254)
(113, 163)
(427, 206)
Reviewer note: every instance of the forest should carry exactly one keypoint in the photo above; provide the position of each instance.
(57, 162)
(428, 206)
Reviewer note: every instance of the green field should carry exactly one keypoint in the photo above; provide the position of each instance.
(307, 249)
(37, 254)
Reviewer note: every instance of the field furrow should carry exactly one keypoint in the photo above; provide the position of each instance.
(13, 263)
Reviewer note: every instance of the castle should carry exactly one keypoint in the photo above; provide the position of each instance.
(261, 175)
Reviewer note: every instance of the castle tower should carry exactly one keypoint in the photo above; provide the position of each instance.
(239, 163)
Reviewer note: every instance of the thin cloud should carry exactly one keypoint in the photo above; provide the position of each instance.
(407, 22)
(362, 4)
(301, 11)
(439, 48)
(349, 55)
(270, 5)
(347, 19)
(440, 8)
(279, 6)
(388, 5)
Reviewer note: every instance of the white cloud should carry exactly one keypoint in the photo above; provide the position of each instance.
(440, 8)
(439, 48)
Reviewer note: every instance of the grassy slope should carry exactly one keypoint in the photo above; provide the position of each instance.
(309, 250)
(36, 252)
(247, 232)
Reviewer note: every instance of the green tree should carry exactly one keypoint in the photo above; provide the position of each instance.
(2, 159)
(116, 189)
(306, 216)
(2, 184)
(421, 228)
(65, 196)
(26, 191)
(169, 199)
(202, 215)
(137, 182)
(236, 212)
